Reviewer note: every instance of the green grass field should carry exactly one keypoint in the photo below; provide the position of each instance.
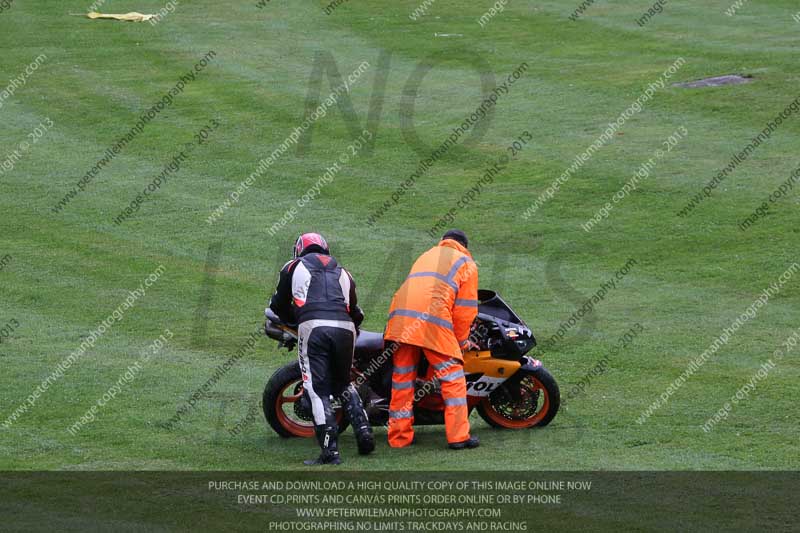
(66, 271)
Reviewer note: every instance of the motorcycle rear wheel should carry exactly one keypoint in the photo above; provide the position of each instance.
(281, 395)
(538, 404)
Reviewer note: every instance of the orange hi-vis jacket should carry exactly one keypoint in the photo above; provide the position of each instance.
(437, 303)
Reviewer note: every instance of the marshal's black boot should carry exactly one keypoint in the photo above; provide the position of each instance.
(470, 443)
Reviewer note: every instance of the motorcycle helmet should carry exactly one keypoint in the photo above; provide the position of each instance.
(310, 243)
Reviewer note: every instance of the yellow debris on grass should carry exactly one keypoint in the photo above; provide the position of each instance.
(133, 16)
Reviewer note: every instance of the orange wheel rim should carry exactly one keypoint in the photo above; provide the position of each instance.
(297, 428)
(523, 423)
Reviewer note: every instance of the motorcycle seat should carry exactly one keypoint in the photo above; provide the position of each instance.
(369, 341)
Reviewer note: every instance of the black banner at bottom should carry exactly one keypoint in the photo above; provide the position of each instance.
(332, 500)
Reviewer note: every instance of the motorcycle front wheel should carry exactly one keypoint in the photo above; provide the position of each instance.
(535, 404)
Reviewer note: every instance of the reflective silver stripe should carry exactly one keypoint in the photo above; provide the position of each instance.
(446, 364)
(453, 376)
(400, 385)
(403, 369)
(466, 303)
(436, 275)
(422, 316)
(400, 414)
(455, 401)
(456, 266)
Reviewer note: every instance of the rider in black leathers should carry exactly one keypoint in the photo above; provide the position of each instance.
(320, 296)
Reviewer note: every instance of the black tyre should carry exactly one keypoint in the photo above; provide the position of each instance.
(538, 403)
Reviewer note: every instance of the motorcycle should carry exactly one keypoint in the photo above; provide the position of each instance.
(508, 388)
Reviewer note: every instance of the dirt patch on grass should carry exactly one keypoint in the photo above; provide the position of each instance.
(730, 79)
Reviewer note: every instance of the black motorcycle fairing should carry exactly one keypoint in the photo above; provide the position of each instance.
(369, 342)
(508, 337)
(373, 358)
(490, 303)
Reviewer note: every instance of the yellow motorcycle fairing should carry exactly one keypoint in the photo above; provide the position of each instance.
(483, 363)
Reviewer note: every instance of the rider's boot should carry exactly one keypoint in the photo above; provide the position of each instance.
(359, 420)
(326, 436)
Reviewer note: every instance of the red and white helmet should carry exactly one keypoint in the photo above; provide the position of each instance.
(310, 242)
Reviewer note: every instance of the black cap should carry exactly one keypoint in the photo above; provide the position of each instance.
(458, 236)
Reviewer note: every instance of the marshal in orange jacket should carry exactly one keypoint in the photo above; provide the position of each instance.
(437, 303)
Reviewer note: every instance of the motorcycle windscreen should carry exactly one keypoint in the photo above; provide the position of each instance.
(490, 303)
